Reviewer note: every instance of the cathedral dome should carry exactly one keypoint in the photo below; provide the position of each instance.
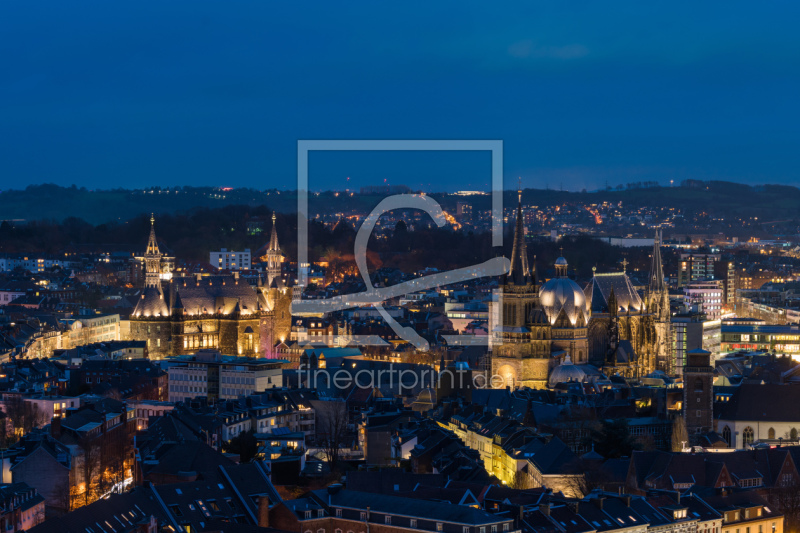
(561, 293)
(566, 372)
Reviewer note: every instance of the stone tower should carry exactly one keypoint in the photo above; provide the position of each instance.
(698, 393)
(152, 259)
(658, 307)
(522, 339)
(274, 256)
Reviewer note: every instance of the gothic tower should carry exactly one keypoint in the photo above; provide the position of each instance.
(658, 307)
(523, 336)
(152, 259)
(274, 257)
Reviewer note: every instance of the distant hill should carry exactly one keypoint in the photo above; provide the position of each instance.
(55, 203)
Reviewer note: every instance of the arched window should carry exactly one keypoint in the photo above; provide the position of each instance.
(698, 385)
(793, 434)
(726, 434)
(748, 435)
(771, 433)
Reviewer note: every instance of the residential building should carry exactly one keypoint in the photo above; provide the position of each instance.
(230, 260)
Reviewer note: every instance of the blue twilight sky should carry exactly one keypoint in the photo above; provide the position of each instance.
(136, 93)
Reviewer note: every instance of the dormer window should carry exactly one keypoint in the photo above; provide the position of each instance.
(308, 514)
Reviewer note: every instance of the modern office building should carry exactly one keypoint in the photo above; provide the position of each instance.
(705, 297)
(696, 267)
(693, 331)
(210, 374)
(753, 337)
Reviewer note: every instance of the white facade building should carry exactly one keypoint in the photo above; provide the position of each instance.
(230, 260)
(707, 296)
(210, 374)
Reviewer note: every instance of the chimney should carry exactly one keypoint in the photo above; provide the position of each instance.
(55, 428)
(599, 502)
(263, 511)
(544, 508)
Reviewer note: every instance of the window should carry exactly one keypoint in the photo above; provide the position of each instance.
(465, 529)
(363, 517)
(494, 528)
(748, 435)
(320, 513)
(413, 523)
(726, 434)
(505, 526)
(308, 514)
(771, 433)
(338, 512)
(438, 526)
(387, 519)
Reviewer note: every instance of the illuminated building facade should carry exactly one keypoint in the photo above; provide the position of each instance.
(229, 260)
(781, 339)
(522, 340)
(178, 316)
(696, 267)
(152, 267)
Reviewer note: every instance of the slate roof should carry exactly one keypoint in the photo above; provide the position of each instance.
(119, 513)
(210, 294)
(382, 503)
(760, 403)
(599, 289)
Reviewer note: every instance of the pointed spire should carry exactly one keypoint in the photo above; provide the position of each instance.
(273, 238)
(657, 269)
(520, 272)
(152, 243)
(178, 303)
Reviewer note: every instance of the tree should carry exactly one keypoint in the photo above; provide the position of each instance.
(245, 445)
(613, 439)
(331, 429)
(584, 475)
(521, 481)
(785, 495)
(680, 436)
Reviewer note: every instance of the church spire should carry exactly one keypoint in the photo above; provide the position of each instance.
(274, 257)
(152, 258)
(152, 244)
(273, 238)
(520, 272)
(656, 269)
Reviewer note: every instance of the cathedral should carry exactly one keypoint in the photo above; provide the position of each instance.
(629, 334)
(558, 325)
(179, 315)
(539, 326)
